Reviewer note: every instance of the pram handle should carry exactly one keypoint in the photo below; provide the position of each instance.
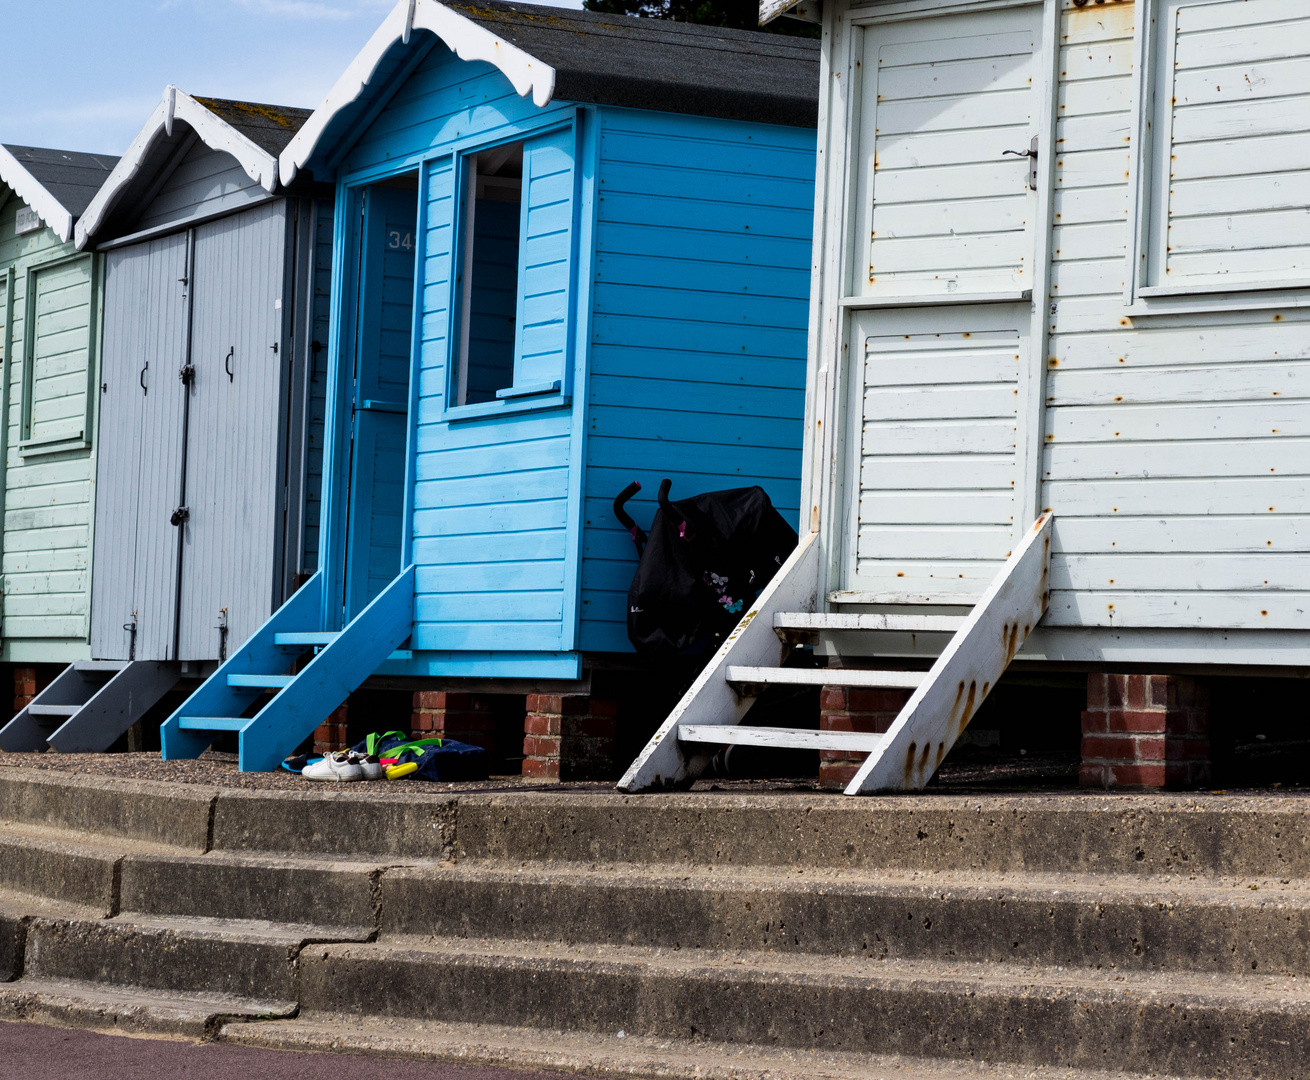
(625, 519)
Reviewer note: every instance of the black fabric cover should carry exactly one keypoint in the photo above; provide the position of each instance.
(702, 568)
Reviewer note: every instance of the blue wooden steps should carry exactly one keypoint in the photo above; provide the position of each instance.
(341, 662)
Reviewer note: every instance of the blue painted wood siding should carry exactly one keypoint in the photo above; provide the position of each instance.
(491, 494)
(698, 328)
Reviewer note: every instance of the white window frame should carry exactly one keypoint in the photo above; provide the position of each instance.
(1148, 157)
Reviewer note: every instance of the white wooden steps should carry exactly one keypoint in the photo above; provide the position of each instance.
(945, 698)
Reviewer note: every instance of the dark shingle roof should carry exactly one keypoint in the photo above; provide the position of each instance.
(656, 64)
(72, 178)
(270, 127)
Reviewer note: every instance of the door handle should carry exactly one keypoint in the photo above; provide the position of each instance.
(142, 378)
(227, 362)
(1031, 155)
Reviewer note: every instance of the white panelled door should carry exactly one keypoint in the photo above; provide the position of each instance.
(943, 255)
(943, 209)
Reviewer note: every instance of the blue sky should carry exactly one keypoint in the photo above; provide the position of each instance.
(85, 74)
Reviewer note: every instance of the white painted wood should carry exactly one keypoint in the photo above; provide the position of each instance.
(916, 422)
(940, 209)
(467, 39)
(789, 738)
(862, 597)
(828, 620)
(1225, 155)
(941, 708)
(30, 190)
(216, 133)
(751, 677)
(710, 699)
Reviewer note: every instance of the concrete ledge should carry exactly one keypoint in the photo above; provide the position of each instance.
(1122, 923)
(1155, 834)
(176, 815)
(195, 956)
(224, 885)
(128, 1010)
(408, 825)
(1197, 1026)
(51, 866)
(629, 1056)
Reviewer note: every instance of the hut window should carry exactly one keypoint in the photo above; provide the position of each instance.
(493, 213)
(56, 353)
(1223, 148)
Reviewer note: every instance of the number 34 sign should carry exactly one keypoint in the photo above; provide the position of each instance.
(399, 241)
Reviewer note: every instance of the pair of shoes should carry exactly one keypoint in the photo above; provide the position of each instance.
(344, 765)
(336, 766)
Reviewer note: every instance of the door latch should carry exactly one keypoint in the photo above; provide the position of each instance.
(1031, 155)
(180, 516)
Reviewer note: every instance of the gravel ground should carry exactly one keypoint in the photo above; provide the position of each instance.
(1047, 774)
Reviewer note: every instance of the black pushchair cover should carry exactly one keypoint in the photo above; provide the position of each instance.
(701, 567)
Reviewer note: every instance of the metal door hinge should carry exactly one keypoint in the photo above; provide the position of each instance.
(180, 516)
(1031, 155)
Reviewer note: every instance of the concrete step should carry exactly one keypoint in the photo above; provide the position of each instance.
(232, 885)
(171, 815)
(17, 912)
(69, 1003)
(72, 867)
(1122, 923)
(245, 958)
(1087, 832)
(1186, 1025)
(618, 1054)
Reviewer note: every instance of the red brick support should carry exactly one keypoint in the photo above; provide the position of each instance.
(853, 709)
(30, 681)
(569, 737)
(331, 733)
(1146, 731)
(467, 718)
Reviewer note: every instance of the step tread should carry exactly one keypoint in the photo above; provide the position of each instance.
(89, 1004)
(212, 723)
(108, 667)
(275, 682)
(306, 637)
(890, 680)
(249, 931)
(597, 1054)
(733, 965)
(1043, 887)
(793, 738)
(54, 710)
(801, 620)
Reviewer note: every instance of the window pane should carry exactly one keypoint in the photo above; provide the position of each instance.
(491, 283)
(57, 382)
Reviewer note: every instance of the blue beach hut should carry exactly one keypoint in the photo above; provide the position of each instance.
(571, 250)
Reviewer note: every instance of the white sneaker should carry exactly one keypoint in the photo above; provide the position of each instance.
(370, 766)
(336, 766)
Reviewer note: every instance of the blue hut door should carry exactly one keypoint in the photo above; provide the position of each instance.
(383, 332)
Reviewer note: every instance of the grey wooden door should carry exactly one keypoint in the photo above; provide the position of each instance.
(231, 565)
(134, 565)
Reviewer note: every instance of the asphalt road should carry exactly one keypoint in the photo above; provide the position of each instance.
(36, 1052)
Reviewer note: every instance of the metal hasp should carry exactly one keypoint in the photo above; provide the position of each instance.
(946, 697)
(1031, 155)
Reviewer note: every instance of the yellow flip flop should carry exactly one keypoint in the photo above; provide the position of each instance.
(398, 772)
